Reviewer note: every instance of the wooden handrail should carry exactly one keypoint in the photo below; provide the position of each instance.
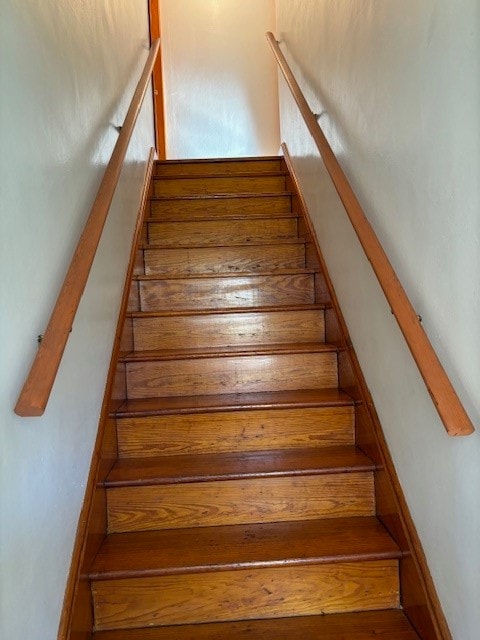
(444, 396)
(38, 385)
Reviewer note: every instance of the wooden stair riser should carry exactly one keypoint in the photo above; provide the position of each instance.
(218, 232)
(232, 374)
(227, 166)
(246, 594)
(196, 208)
(218, 184)
(231, 502)
(228, 329)
(195, 260)
(221, 432)
(226, 292)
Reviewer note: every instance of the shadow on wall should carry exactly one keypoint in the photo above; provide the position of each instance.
(69, 108)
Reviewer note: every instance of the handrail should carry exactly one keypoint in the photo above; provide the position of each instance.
(444, 396)
(38, 385)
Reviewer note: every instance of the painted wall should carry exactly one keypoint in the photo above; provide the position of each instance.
(221, 95)
(399, 87)
(68, 72)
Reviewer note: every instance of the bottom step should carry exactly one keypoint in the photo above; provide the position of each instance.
(382, 625)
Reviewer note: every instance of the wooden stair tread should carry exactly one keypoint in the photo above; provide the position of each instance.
(238, 216)
(206, 176)
(233, 402)
(389, 624)
(227, 310)
(226, 274)
(225, 352)
(206, 245)
(216, 160)
(225, 215)
(212, 166)
(225, 196)
(232, 466)
(222, 548)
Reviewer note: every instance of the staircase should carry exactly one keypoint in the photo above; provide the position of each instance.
(239, 506)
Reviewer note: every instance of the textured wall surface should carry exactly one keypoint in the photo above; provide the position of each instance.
(68, 72)
(220, 81)
(398, 86)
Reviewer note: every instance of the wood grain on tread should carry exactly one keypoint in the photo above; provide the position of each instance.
(171, 551)
(215, 276)
(227, 291)
(216, 232)
(226, 166)
(193, 185)
(235, 431)
(237, 374)
(198, 207)
(297, 240)
(365, 625)
(299, 398)
(224, 259)
(233, 595)
(260, 327)
(232, 466)
(226, 351)
(193, 312)
(230, 502)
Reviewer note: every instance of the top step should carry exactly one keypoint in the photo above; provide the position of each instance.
(213, 166)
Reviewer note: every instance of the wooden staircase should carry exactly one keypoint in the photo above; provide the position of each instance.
(239, 506)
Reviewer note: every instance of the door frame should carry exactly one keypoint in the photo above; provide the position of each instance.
(157, 80)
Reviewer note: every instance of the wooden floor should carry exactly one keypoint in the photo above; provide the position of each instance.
(239, 506)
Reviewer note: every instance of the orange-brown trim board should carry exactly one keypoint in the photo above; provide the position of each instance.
(157, 80)
(419, 598)
(76, 621)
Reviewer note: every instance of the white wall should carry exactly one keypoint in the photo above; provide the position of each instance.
(68, 71)
(221, 95)
(399, 83)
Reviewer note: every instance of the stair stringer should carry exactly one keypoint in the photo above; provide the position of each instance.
(420, 601)
(76, 619)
